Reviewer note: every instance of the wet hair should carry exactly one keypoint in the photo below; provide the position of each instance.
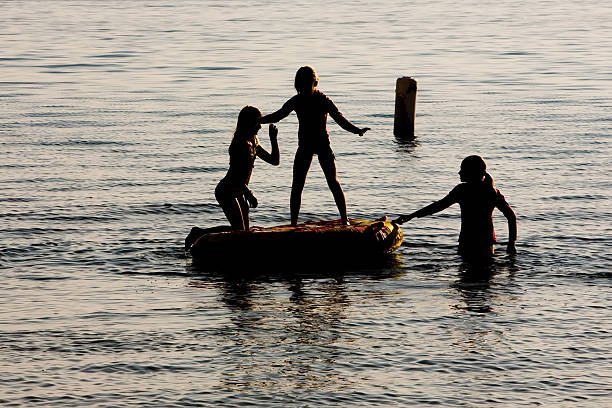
(474, 168)
(247, 118)
(305, 79)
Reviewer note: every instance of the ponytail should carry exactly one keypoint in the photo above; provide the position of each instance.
(488, 180)
(489, 185)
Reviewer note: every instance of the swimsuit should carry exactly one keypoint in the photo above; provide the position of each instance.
(234, 184)
(477, 201)
(312, 113)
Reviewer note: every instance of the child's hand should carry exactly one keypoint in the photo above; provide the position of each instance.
(273, 130)
(251, 199)
(363, 130)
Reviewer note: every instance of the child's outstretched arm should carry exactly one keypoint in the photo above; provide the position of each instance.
(344, 122)
(430, 209)
(280, 114)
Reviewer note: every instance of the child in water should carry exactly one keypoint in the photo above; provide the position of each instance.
(232, 192)
(477, 197)
(312, 107)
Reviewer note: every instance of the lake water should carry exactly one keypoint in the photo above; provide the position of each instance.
(115, 118)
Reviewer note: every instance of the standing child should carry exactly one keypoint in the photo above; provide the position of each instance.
(312, 107)
(477, 197)
(232, 192)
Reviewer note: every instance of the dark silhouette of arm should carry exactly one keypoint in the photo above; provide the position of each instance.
(508, 212)
(274, 157)
(342, 121)
(430, 209)
(280, 114)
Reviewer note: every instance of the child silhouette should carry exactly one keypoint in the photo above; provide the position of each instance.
(477, 197)
(312, 107)
(232, 192)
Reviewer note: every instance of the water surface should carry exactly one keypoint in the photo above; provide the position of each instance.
(114, 128)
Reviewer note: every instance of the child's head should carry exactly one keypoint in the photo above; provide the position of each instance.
(306, 80)
(248, 122)
(473, 168)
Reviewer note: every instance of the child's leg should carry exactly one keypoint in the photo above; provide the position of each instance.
(301, 165)
(244, 211)
(234, 205)
(328, 164)
(232, 209)
(233, 212)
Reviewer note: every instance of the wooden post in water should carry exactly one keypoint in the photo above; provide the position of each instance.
(405, 107)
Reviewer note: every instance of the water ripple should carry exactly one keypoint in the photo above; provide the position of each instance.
(115, 132)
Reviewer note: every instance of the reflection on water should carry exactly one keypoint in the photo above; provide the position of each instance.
(292, 333)
(306, 324)
(318, 316)
(115, 132)
(483, 290)
(475, 279)
(406, 145)
(236, 295)
(381, 266)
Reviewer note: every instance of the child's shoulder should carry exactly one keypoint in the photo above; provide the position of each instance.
(320, 94)
(322, 98)
(316, 97)
(461, 187)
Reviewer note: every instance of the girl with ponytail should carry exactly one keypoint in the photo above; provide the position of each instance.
(477, 197)
(232, 192)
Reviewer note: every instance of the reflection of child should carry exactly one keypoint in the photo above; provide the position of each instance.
(312, 107)
(232, 192)
(477, 197)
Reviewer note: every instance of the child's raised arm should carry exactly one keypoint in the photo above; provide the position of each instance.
(274, 157)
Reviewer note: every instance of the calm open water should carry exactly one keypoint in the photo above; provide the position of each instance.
(115, 119)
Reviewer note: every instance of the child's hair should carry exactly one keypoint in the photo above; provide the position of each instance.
(475, 169)
(305, 78)
(247, 118)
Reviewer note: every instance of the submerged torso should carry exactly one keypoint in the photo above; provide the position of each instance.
(477, 202)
